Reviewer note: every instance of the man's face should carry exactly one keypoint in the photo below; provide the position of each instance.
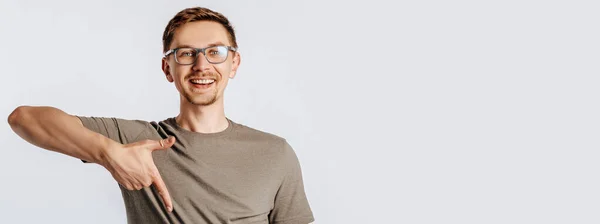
(201, 34)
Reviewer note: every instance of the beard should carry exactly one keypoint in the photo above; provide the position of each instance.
(204, 99)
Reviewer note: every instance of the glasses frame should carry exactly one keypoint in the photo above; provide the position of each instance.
(199, 50)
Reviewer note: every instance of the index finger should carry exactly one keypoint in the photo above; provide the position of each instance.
(162, 191)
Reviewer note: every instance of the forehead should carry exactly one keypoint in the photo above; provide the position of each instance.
(200, 34)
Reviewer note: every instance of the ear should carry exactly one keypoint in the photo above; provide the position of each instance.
(237, 58)
(166, 69)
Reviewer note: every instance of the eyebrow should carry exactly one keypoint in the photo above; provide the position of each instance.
(218, 43)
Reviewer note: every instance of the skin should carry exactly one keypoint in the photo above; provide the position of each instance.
(201, 110)
(131, 165)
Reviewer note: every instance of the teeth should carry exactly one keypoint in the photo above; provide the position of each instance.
(203, 81)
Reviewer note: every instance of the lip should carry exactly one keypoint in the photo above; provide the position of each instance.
(201, 86)
(202, 77)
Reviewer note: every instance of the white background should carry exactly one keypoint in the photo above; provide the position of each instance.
(399, 111)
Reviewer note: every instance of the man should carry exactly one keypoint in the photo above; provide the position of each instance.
(197, 167)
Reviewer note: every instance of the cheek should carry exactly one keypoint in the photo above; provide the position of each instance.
(179, 73)
(178, 81)
(225, 71)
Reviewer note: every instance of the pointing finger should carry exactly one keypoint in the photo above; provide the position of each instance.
(162, 190)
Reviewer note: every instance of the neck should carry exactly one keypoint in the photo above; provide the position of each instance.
(203, 119)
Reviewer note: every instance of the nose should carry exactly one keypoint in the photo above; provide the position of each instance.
(201, 63)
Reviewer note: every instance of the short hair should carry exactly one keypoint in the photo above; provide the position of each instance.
(195, 14)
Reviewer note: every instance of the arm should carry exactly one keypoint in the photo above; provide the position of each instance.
(52, 129)
(131, 165)
(290, 202)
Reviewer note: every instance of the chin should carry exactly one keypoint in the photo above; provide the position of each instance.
(201, 100)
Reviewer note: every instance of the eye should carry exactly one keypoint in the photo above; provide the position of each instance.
(186, 53)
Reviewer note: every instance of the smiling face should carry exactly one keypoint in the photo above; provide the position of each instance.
(201, 83)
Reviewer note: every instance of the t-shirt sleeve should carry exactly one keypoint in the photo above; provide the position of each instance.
(120, 130)
(291, 205)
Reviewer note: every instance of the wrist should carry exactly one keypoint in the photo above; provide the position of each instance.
(105, 152)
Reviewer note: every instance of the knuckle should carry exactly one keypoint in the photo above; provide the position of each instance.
(154, 174)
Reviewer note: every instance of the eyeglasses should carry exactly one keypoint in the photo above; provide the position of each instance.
(189, 55)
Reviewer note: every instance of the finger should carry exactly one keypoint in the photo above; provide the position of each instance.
(128, 186)
(162, 190)
(163, 143)
(148, 182)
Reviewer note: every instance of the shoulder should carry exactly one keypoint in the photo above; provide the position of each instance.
(262, 139)
(272, 148)
(116, 121)
(250, 133)
(121, 129)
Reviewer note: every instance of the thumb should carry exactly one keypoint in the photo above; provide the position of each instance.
(164, 143)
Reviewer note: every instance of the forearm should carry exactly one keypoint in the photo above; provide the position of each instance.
(52, 129)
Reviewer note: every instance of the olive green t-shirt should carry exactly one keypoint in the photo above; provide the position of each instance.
(239, 175)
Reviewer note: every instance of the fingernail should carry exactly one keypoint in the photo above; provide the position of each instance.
(170, 209)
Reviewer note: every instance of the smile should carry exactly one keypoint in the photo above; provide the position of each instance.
(202, 83)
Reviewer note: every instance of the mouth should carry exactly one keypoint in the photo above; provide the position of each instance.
(202, 83)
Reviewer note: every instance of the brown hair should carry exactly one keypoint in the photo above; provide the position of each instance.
(195, 14)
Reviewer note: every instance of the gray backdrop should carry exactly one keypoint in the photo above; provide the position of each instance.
(399, 111)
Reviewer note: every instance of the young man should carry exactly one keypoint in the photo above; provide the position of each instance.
(197, 167)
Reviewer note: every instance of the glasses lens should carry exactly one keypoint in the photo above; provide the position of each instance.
(185, 56)
(216, 54)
